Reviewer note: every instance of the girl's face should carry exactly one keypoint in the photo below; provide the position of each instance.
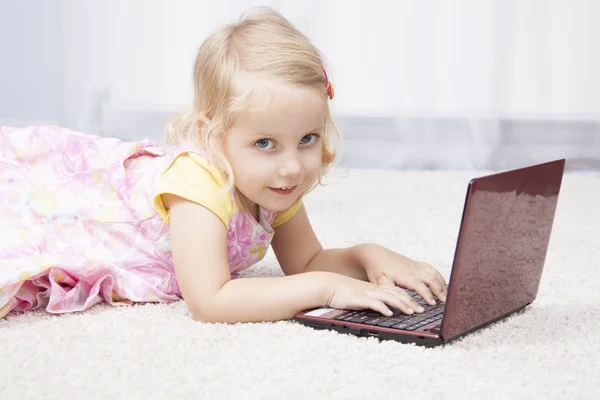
(275, 149)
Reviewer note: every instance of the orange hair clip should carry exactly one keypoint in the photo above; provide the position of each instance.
(330, 89)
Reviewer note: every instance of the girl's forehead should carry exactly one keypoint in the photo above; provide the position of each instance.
(261, 92)
(283, 106)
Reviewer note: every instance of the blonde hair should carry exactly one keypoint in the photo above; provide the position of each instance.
(262, 42)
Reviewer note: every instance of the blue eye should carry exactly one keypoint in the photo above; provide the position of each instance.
(263, 144)
(309, 139)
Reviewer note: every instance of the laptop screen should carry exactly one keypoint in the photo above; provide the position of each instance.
(502, 245)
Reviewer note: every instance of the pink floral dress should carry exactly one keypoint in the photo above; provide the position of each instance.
(78, 225)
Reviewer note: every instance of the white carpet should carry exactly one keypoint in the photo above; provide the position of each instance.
(551, 350)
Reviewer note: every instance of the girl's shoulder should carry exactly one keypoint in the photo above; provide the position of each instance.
(191, 174)
(191, 163)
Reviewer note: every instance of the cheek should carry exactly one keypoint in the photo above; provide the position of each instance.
(242, 162)
(313, 162)
(252, 169)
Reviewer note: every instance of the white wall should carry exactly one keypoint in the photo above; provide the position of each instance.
(31, 61)
(420, 84)
(536, 58)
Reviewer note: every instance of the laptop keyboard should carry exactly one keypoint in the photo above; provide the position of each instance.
(398, 320)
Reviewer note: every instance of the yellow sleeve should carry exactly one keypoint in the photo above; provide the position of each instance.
(283, 216)
(196, 179)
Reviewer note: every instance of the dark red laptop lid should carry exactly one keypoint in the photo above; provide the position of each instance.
(502, 245)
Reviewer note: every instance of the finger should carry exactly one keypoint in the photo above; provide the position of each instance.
(408, 299)
(410, 282)
(417, 285)
(444, 290)
(435, 287)
(435, 281)
(379, 306)
(438, 290)
(385, 281)
(393, 300)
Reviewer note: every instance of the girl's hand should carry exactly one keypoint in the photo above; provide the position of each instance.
(355, 294)
(389, 269)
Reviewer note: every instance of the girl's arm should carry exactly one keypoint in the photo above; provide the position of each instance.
(298, 250)
(199, 246)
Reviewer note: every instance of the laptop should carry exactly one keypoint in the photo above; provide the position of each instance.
(498, 260)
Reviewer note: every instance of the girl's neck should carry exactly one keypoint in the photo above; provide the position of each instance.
(252, 207)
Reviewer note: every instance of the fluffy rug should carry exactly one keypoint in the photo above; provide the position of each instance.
(156, 351)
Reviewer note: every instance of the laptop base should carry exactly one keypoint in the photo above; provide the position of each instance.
(365, 332)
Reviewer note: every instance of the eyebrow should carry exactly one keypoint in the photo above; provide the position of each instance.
(271, 134)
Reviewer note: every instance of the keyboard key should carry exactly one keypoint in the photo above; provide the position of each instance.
(346, 315)
(412, 321)
(389, 322)
(354, 314)
(360, 318)
(429, 314)
(420, 324)
(403, 317)
(372, 314)
(417, 325)
(376, 321)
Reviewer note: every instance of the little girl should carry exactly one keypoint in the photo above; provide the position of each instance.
(87, 219)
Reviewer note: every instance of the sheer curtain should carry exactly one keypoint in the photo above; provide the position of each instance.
(420, 84)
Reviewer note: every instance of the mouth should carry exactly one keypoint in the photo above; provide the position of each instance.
(284, 190)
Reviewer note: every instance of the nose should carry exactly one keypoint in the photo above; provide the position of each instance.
(290, 165)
